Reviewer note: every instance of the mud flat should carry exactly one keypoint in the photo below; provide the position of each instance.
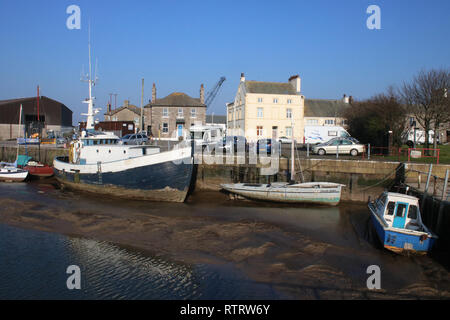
(303, 252)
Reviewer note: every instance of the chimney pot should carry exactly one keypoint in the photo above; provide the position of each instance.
(154, 93)
(242, 77)
(202, 94)
(296, 83)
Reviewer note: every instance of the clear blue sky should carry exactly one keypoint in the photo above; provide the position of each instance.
(181, 44)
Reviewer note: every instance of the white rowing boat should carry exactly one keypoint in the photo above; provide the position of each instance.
(326, 193)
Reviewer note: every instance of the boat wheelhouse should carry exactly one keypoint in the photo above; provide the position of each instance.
(399, 225)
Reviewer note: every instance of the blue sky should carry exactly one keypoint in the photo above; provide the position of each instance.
(182, 44)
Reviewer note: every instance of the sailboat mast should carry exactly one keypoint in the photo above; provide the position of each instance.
(292, 152)
(142, 108)
(18, 135)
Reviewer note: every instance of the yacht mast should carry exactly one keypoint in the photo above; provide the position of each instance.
(292, 151)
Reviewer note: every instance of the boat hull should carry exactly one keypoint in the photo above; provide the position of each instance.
(330, 196)
(39, 171)
(400, 242)
(13, 176)
(143, 178)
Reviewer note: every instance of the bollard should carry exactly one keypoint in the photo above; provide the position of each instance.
(307, 150)
(368, 151)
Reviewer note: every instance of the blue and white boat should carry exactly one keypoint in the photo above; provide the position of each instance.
(399, 225)
(97, 163)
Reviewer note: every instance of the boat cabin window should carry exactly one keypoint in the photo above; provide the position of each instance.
(412, 213)
(401, 208)
(390, 208)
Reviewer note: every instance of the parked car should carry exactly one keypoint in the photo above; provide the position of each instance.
(233, 141)
(345, 146)
(285, 140)
(138, 138)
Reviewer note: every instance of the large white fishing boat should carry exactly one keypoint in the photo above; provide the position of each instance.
(97, 163)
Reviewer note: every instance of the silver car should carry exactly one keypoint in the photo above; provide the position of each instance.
(344, 145)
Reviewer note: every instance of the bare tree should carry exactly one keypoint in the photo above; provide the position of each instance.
(425, 97)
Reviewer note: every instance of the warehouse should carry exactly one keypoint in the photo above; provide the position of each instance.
(37, 116)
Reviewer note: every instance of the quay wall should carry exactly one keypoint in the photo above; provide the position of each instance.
(362, 178)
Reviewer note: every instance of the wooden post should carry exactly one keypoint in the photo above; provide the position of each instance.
(428, 178)
(444, 191)
(441, 206)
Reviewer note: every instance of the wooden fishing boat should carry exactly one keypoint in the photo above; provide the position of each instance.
(398, 223)
(325, 193)
(12, 174)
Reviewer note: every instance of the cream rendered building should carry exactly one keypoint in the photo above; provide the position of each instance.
(267, 110)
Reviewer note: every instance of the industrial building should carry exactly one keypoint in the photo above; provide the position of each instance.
(38, 116)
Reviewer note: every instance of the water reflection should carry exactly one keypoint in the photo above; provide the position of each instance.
(33, 266)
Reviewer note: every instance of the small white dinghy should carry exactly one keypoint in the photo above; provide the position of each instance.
(12, 174)
(325, 193)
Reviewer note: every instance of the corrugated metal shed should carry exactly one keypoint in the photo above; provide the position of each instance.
(51, 111)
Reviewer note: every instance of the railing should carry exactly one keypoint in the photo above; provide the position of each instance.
(402, 153)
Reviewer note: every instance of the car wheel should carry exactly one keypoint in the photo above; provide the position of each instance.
(321, 152)
(354, 152)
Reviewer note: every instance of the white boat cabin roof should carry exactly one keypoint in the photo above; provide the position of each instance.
(390, 206)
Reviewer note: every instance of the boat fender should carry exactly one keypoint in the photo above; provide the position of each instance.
(423, 237)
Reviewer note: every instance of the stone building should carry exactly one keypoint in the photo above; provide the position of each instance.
(173, 115)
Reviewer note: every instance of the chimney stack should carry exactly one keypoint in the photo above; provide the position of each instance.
(126, 103)
(242, 77)
(202, 94)
(295, 82)
(350, 99)
(154, 93)
(346, 99)
(108, 107)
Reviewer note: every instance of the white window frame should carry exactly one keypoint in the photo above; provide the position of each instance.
(289, 132)
(260, 113)
(193, 113)
(162, 127)
(165, 112)
(288, 113)
(180, 114)
(275, 100)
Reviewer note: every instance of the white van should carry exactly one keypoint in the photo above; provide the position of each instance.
(207, 135)
(322, 134)
(408, 136)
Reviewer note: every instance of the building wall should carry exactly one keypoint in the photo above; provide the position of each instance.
(243, 115)
(325, 121)
(14, 131)
(158, 119)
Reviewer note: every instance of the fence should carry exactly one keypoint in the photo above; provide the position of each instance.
(402, 153)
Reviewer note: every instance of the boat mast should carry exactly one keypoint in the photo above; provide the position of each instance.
(18, 135)
(91, 82)
(292, 151)
(142, 108)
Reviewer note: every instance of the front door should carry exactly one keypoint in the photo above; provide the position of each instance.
(180, 130)
(400, 215)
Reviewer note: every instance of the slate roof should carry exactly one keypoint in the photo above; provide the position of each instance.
(133, 108)
(324, 108)
(217, 119)
(269, 87)
(178, 99)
